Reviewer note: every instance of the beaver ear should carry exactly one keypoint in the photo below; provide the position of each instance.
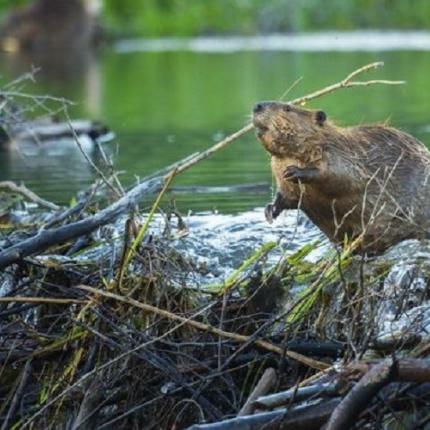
(320, 117)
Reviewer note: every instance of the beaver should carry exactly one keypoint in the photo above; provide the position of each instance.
(367, 179)
(49, 25)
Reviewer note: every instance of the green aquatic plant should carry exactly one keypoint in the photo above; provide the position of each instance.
(326, 272)
(240, 273)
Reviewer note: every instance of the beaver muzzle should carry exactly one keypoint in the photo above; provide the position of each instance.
(259, 118)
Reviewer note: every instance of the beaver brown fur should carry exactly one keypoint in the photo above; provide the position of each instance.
(46, 25)
(370, 179)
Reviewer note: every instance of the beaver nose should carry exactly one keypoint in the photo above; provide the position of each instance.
(258, 107)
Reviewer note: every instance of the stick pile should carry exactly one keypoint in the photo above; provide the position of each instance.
(100, 327)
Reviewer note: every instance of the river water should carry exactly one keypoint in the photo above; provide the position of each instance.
(169, 98)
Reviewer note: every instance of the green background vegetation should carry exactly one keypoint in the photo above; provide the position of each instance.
(196, 17)
(166, 105)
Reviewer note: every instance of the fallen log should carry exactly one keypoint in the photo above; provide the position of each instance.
(297, 394)
(345, 414)
(302, 418)
(47, 238)
(341, 413)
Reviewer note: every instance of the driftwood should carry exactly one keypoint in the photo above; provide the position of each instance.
(375, 378)
(340, 413)
(30, 195)
(408, 370)
(314, 417)
(303, 418)
(298, 394)
(47, 238)
(354, 403)
(266, 382)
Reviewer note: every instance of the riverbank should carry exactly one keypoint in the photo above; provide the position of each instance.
(171, 321)
(117, 315)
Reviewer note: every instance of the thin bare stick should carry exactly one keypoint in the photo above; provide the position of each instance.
(119, 193)
(345, 83)
(208, 328)
(40, 300)
(36, 97)
(293, 85)
(206, 154)
(348, 83)
(23, 190)
(106, 365)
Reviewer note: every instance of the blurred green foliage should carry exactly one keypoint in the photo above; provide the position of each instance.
(203, 17)
(191, 17)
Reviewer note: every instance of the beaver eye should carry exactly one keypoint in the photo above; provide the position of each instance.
(287, 108)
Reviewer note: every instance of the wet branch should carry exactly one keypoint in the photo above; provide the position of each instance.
(264, 385)
(358, 398)
(30, 195)
(341, 413)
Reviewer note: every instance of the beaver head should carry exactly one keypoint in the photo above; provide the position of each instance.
(286, 130)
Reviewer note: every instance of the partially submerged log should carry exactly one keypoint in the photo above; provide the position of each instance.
(46, 238)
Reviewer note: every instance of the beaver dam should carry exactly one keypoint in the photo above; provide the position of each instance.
(116, 317)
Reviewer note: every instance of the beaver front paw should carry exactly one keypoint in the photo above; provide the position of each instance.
(298, 174)
(269, 213)
(292, 173)
(274, 209)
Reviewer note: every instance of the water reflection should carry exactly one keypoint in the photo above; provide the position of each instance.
(35, 165)
(57, 37)
(166, 105)
(49, 26)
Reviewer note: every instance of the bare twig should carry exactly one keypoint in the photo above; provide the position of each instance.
(348, 83)
(345, 83)
(208, 328)
(118, 192)
(310, 417)
(42, 300)
(200, 156)
(36, 97)
(355, 402)
(297, 394)
(30, 195)
(26, 373)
